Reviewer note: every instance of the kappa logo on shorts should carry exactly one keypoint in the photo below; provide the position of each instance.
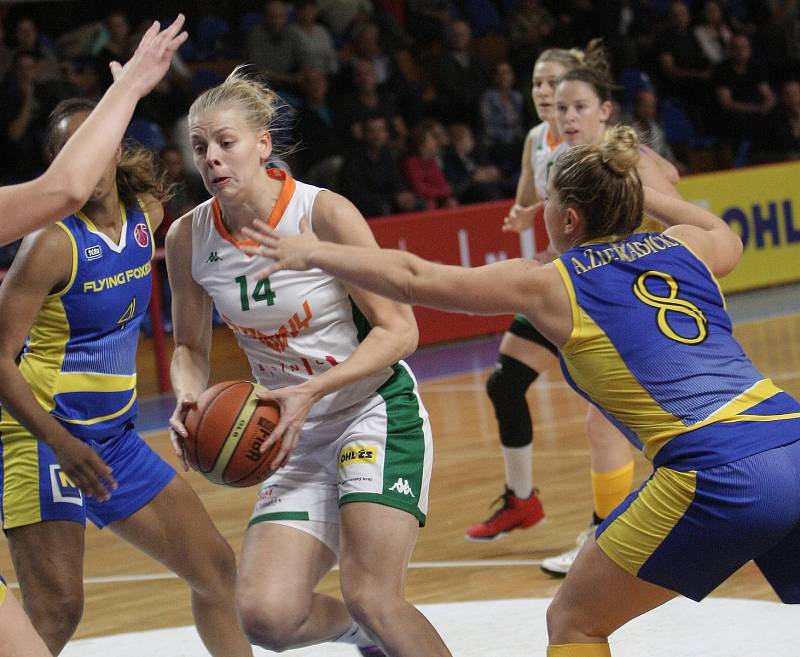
(62, 487)
(358, 454)
(401, 486)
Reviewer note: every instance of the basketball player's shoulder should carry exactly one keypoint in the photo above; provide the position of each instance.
(182, 227)
(538, 134)
(52, 240)
(179, 236)
(47, 255)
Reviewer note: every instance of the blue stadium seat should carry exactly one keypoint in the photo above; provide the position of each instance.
(631, 80)
(210, 34)
(249, 20)
(204, 78)
(678, 127)
(483, 17)
(147, 133)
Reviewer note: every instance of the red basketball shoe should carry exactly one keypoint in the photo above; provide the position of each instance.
(516, 513)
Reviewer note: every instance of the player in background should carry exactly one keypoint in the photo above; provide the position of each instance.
(78, 291)
(524, 353)
(643, 334)
(353, 473)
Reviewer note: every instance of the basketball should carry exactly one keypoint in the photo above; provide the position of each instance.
(226, 429)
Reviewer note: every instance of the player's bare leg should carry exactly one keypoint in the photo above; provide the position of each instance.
(376, 545)
(281, 563)
(175, 529)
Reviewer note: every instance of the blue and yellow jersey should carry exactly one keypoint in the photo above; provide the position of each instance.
(80, 359)
(653, 347)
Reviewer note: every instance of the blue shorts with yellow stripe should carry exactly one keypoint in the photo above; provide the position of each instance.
(34, 489)
(688, 531)
(3, 590)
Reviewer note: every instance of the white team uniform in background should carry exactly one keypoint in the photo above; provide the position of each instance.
(544, 150)
(369, 440)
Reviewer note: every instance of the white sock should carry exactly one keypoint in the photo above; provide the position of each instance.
(355, 636)
(518, 469)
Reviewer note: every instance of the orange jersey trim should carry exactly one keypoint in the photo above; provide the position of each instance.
(287, 191)
(552, 141)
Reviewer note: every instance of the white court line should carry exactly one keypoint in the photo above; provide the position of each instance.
(497, 563)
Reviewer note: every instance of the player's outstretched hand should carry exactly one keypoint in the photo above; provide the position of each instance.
(84, 467)
(151, 60)
(288, 251)
(177, 429)
(520, 217)
(295, 402)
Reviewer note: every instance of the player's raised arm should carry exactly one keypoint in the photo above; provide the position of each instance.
(73, 174)
(399, 275)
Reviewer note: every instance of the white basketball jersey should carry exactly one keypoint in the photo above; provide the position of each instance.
(295, 325)
(544, 149)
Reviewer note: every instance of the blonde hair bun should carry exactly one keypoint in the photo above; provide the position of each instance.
(619, 149)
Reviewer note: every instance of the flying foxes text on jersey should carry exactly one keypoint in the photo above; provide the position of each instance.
(293, 326)
(80, 359)
(652, 346)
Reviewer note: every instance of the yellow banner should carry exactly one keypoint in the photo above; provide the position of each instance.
(762, 204)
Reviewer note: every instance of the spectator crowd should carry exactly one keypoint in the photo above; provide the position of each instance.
(415, 104)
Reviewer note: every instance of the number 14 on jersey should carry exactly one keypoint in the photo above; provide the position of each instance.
(261, 292)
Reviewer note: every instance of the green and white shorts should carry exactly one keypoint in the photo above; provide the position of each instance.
(379, 451)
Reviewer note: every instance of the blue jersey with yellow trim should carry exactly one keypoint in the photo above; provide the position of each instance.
(80, 359)
(653, 347)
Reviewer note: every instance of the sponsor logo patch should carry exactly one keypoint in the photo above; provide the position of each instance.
(93, 252)
(141, 235)
(62, 487)
(358, 454)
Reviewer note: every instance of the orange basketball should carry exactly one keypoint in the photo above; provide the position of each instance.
(226, 430)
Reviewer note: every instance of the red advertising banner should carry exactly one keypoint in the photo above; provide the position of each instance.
(469, 236)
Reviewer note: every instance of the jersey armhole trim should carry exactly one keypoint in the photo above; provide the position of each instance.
(574, 308)
(74, 265)
(149, 227)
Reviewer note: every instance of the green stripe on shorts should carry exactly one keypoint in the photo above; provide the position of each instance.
(405, 441)
(280, 515)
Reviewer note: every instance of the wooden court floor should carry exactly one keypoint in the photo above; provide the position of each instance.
(126, 591)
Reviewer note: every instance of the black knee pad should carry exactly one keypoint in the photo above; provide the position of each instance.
(506, 388)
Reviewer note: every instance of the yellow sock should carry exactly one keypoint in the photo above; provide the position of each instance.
(579, 650)
(610, 488)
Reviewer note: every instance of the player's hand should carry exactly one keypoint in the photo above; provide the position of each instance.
(84, 467)
(520, 218)
(294, 402)
(177, 429)
(152, 58)
(288, 251)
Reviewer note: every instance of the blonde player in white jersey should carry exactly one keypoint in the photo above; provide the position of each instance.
(353, 472)
(525, 352)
